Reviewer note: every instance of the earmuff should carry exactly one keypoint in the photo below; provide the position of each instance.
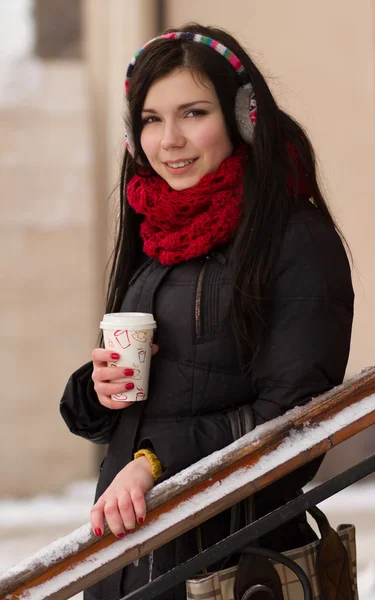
(245, 103)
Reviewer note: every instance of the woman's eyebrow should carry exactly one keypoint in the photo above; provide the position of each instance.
(180, 107)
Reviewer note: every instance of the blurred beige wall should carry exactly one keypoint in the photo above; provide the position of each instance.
(114, 30)
(47, 272)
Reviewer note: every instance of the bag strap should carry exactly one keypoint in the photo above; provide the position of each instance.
(270, 580)
(256, 577)
(321, 521)
(333, 565)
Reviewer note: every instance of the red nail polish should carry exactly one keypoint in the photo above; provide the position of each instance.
(98, 532)
(121, 535)
(129, 386)
(130, 530)
(141, 520)
(129, 372)
(115, 356)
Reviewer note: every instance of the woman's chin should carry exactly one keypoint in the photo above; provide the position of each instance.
(183, 182)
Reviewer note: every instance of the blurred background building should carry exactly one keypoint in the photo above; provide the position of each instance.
(62, 66)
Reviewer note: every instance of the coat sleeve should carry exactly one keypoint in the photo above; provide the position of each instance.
(82, 411)
(304, 352)
(306, 346)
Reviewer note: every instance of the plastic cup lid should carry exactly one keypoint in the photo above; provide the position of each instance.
(128, 320)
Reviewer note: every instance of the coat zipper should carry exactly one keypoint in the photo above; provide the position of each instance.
(198, 303)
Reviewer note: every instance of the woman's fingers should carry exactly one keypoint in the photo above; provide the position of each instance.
(107, 392)
(139, 504)
(101, 355)
(104, 373)
(114, 404)
(126, 509)
(105, 380)
(97, 517)
(113, 516)
(107, 388)
(118, 512)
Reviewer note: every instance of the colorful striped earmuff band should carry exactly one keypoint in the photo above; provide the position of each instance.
(201, 39)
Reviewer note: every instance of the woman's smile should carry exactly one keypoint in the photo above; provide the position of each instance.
(180, 166)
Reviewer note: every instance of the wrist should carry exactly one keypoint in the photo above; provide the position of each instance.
(144, 463)
(153, 463)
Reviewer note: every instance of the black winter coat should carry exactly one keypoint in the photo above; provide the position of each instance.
(196, 382)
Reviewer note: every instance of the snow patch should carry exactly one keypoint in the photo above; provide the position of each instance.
(47, 509)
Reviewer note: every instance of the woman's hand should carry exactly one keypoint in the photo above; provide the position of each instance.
(123, 502)
(104, 377)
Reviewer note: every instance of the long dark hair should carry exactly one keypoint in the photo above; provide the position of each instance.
(267, 200)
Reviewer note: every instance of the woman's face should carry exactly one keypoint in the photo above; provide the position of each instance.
(184, 135)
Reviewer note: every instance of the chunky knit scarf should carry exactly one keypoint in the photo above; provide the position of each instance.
(180, 225)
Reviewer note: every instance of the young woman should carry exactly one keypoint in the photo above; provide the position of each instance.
(225, 237)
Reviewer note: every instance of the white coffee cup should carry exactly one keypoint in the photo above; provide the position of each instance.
(130, 334)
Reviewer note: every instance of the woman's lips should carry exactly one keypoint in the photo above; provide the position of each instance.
(180, 170)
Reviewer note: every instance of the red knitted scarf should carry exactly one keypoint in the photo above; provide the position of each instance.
(180, 225)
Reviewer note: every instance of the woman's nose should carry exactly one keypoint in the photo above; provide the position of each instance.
(172, 137)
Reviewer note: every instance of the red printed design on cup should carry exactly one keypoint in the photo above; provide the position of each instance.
(140, 336)
(141, 355)
(140, 395)
(122, 397)
(122, 338)
(137, 373)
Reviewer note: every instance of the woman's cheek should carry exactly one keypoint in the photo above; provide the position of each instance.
(214, 136)
(144, 145)
(148, 142)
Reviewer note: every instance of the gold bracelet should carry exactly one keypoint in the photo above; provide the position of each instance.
(155, 462)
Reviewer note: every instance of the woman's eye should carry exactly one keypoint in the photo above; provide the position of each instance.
(196, 113)
(147, 120)
(192, 113)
